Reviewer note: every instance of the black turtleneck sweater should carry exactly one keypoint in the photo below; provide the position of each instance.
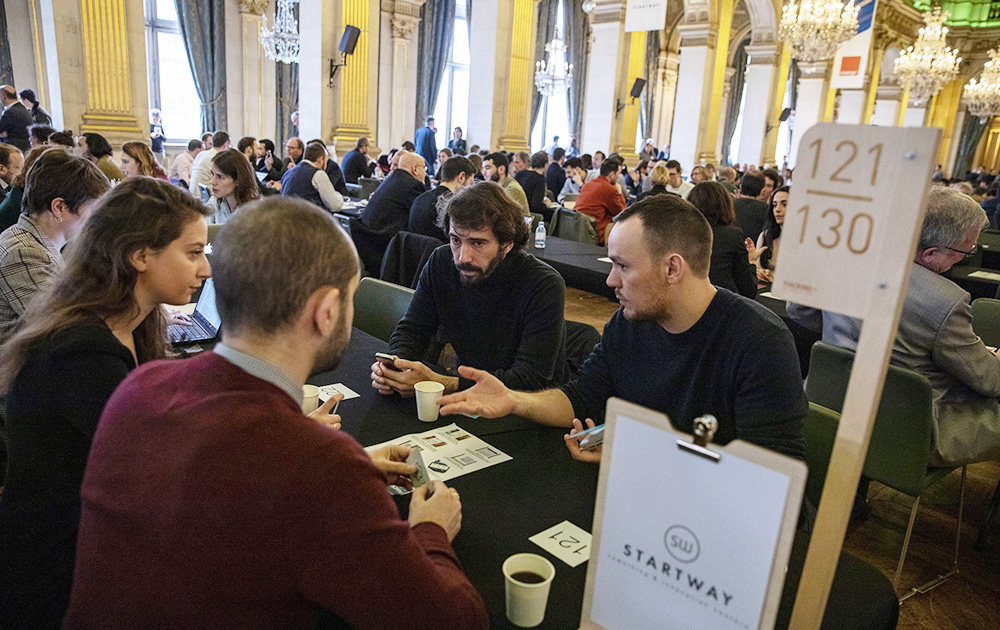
(511, 324)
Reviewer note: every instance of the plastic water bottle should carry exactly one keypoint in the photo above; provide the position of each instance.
(540, 235)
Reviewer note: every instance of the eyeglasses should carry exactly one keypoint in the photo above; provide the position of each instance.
(967, 254)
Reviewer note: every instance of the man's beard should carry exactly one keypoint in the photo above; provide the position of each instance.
(495, 177)
(483, 274)
(328, 357)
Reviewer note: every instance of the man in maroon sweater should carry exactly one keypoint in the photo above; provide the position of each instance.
(211, 501)
(602, 199)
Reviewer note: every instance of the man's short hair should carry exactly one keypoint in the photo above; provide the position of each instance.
(253, 293)
(41, 132)
(774, 176)
(573, 162)
(9, 92)
(245, 142)
(29, 95)
(751, 184)
(314, 151)
(674, 164)
(206, 138)
(58, 174)
(62, 138)
(219, 138)
(558, 154)
(194, 144)
(485, 206)
(430, 119)
(362, 141)
(611, 165)
(587, 161)
(672, 225)
(603, 155)
(98, 145)
(267, 144)
(540, 160)
(409, 146)
(524, 157)
(455, 166)
(499, 159)
(6, 150)
(951, 215)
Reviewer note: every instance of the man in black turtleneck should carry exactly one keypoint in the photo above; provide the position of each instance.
(500, 307)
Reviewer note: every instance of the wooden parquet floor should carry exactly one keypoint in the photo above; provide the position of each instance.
(969, 600)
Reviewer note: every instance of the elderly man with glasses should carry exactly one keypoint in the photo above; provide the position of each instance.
(935, 336)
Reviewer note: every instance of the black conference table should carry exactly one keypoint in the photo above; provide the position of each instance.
(578, 264)
(502, 506)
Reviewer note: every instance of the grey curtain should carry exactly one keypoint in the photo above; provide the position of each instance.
(203, 27)
(575, 21)
(436, 30)
(547, 16)
(652, 60)
(6, 64)
(972, 133)
(735, 97)
(287, 78)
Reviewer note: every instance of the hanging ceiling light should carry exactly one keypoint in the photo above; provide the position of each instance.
(983, 96)
(588, 6)
(555, 75)
(816, 28)
(929, 63)
(281, 43)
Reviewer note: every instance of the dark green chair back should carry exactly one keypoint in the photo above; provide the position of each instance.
(820, 432)
(575, 226)
(378, 307)
(368, 186)
(901, 439)
(986, 320)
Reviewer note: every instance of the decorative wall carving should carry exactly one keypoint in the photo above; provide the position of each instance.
(255, 7)
(403, 27)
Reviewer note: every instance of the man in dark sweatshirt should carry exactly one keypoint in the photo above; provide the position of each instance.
(678, 344)
(500, 307)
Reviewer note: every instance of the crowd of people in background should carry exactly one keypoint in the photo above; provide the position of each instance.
(92, 248)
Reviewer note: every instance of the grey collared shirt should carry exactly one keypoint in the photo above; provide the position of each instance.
(262, 370)
(28, 258)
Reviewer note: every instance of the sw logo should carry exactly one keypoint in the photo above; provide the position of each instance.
(682, 544)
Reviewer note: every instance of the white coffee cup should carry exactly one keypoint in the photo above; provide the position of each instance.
(310, 398)
(526, 601)
(428, 393)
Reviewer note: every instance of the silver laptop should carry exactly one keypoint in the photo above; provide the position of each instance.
(205, 320)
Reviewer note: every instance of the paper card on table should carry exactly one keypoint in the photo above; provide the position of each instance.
(328, 391)
(985, 275)
(565, 541)
(605, 259)
(449, 451)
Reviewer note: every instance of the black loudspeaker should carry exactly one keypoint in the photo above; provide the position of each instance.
(785, 113)
(637, 87)
(350, 39)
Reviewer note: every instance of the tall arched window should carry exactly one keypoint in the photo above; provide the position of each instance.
(553, 119)
(452, 109)
(171, 85)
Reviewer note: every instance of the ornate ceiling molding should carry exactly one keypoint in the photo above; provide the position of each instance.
(254, 7)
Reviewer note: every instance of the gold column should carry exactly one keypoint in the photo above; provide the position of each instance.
(767, 157)
(831, 99)
(873, 78)
(109, 91)
(521, 79)
(710, 111)
(630, 116)
(354, 106)
(943, 113)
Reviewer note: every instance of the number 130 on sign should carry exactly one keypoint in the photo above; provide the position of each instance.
(851, 183)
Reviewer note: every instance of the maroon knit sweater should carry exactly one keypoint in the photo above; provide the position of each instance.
(210, 501)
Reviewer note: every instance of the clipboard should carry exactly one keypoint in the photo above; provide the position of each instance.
(687, 534)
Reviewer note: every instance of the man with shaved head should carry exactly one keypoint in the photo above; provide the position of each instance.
(388, 209)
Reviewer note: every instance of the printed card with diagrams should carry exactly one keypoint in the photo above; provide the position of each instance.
(449, 451)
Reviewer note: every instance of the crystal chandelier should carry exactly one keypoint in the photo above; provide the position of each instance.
(983, 96)
(816, 28)
(588, 6)
(929, 63)
(281, 43)
(557, 74)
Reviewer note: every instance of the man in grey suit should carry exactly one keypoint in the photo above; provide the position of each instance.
(935, 336)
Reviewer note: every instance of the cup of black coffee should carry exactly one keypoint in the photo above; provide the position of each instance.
(527, 578)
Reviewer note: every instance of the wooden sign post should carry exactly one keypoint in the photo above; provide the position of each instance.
(848, 243)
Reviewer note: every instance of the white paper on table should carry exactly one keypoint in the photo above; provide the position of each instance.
(565, 541)
(985, 275)
(326, 392)
(449, 451)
